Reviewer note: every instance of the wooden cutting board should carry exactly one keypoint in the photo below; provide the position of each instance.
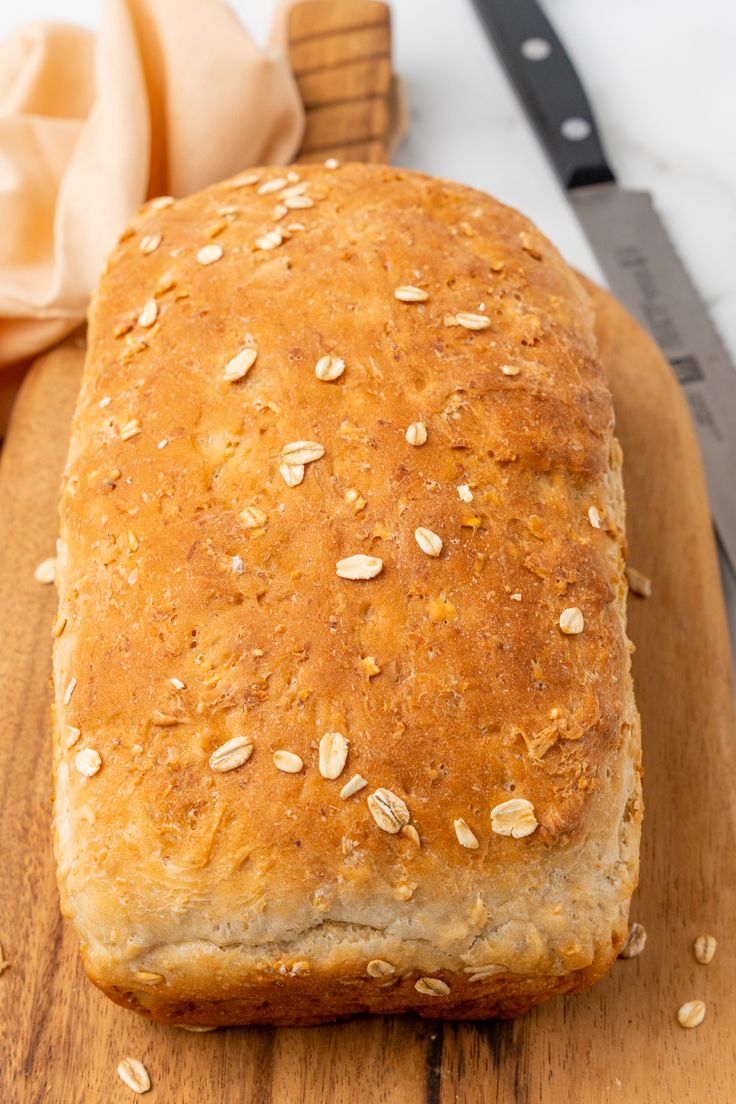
(61, 1040)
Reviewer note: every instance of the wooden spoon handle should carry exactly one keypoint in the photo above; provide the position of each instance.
(340, 51)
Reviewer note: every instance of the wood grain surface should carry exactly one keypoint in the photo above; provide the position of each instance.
(61, 1040)
(340, 51)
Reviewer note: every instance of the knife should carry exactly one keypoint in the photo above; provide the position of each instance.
(629, 239)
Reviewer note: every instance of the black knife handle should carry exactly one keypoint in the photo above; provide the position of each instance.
(549, 87)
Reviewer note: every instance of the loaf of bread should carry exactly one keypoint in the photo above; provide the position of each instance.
(344, 718)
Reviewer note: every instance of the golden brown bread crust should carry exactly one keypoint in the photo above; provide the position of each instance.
(257, 895)
(322, 997)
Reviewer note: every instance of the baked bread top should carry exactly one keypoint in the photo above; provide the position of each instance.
(200, 602)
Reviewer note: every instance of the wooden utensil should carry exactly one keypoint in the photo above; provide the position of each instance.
(619, 1042)
(341, 57)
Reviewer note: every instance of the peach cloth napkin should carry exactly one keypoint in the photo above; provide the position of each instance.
(168, 96)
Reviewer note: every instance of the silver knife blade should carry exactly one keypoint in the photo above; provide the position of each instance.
(643, 270)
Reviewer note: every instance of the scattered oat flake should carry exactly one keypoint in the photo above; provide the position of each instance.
(301, 452)
(164, 720)
(148, 977)
(273, 185)
(208, 254)
(416, 433)
(429, 542)
(104, 402)
(130, 429)
(510, 369)
(432, 987)
(288, 761)
(46, 571)
(270, 240)
(135, 1075)
(594, 517)
(514, 818)
(465, 836)
(359, 566)
(473, 321)
(705, 948)
(515, 597)
(411, 833)
(177, 683)
(149, 243)
(252, 518)
(294, 190)
(329, 368)
(244, 180)
(69, 690)
(236, 563)
(279, 211)
(239, 366)
(478, 916)
(298, 202)
(149, 314)
(333, 753)
(332, 163)
(71, 735)
(356, 783)
(232, 754)
(691, 1014)
(464, 493)
(389, 811)
(410, 294)
(162, 443)
(160, 202)
(378, 967)
(166, 283)
(292, 474)
(88, 761)
(292, 176)
(450, 320)
(572, 621)
(480, 972)
(636, 941)
(638, 583)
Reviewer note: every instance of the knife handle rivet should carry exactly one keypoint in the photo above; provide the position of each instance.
(535, 49)
(575, 129)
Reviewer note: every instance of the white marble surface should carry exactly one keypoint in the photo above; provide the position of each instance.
(661, 77)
